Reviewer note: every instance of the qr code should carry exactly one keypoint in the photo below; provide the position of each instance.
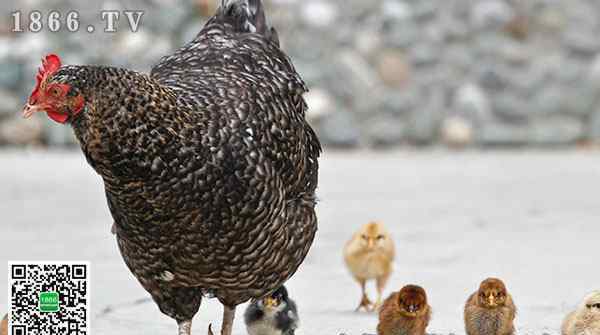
(48, 298)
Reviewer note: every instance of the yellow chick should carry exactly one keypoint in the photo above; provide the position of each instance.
(369, 255)
(586, 319)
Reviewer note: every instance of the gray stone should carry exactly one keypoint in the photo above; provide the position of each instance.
(169, 20)
(9, 103)
(527, 81)
(363, 77)
(555, 99)
(385, 131)
(501, 134)
(594, 74)
(339, 130)
(510, 107)
(558, 130)
(425, 10)
(401, 34)
(551, 19)
(458, 57)
(368, 42)
(424, 54)
(471, 101)
(396, 10)
(401, 102)
(491, 13)
(515, 53)
(582, 43)
(319, 13)
(424, 123)
(11, 73)
(593, 132)
(189, 30)
(492, 78)
(320, 104)
(453, 29)
(579, 100)
(548, 101)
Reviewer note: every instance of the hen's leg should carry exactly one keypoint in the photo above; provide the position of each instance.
(228, 316)
(364, 301)
(185, 327)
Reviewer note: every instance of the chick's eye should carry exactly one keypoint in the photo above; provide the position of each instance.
(380, 237)
(364, 237)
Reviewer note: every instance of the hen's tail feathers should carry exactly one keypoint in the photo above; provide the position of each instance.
(247, 16)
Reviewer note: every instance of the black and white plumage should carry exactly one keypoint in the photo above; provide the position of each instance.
(276, 314)
(209, 165)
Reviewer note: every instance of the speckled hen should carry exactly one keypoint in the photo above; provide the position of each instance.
(208, 163)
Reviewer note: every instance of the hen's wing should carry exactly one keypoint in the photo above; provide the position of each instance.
(236, 74)
(234, 22)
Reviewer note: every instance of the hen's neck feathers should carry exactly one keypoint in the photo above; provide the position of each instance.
(121, 107)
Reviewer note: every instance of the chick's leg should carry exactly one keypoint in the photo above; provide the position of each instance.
(364, 301)
(381, 281)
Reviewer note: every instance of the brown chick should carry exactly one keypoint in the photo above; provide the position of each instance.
(490, 310)
(4, 325)
(369, 255)
(586, 319)
(405, 312)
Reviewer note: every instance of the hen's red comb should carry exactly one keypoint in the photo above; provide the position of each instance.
(50, 64)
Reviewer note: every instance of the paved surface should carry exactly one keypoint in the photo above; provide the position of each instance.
(530, 218)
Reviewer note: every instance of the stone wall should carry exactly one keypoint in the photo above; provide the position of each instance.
(382, 73)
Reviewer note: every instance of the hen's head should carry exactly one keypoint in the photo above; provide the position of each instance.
(53, 93)
(412, 300)
(373, 236)
(492, 293)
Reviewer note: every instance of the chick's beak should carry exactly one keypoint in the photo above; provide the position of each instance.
(29, 109)
(491, 300)
(271, 302)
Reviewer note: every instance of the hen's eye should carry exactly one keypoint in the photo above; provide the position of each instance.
(55, 91)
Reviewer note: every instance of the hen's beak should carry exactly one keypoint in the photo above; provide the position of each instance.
(29, 109)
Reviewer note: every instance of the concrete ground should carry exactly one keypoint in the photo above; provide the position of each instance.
(530, 218)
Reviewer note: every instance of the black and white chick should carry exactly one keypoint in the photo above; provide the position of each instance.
(275, 314)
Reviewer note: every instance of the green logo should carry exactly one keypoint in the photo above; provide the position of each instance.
(48, 302)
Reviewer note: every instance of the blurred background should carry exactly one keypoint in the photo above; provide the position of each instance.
(382, 73)
(397, 88)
